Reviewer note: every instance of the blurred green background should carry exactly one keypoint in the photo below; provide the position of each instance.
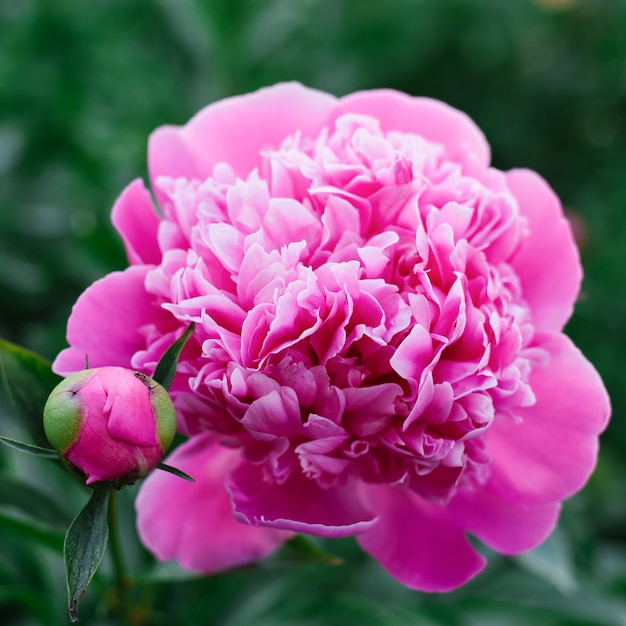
(83, 83)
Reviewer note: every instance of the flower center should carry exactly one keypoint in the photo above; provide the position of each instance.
(358, 313)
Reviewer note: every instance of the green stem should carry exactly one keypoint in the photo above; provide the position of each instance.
(122, 580)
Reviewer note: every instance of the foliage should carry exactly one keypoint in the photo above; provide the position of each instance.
(81, 87)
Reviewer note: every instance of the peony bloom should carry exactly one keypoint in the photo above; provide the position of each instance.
(110, 424)
(378, 346)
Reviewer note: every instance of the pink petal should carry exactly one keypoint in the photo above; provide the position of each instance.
(298, 504)
(433, 120)
(137, 222)
(369, 409)
(505, 527)
(105, 322)
(418, 542)
(286, 221)
(128, 407)
(276, 414)
(168, 155)
(193, 522)
(550, 454)
(547, 262)
(234, 130)
(413, 354)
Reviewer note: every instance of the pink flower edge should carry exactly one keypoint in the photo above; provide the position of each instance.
(193, 522)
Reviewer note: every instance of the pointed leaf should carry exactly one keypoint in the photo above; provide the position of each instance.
(176, 472)
(84, 547)
(29, 448)
(166, 367)
(28, 379)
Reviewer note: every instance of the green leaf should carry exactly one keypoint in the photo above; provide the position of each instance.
(166, 367)
(30, 530)
(84, 547)
(29, 448)
(166, 572)
(300, 549)
(552, 561)
(31, 501)
(29, 380)
(176, 472)
(29, 598)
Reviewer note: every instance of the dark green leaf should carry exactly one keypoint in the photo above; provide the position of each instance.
(84, 547)
(28, 379)
(27, 597)
(552, 561)
(302, 549)
(30, 530)
(28, 499)
(166, 367)
(46, 453)
(166, 572)
(175, 471)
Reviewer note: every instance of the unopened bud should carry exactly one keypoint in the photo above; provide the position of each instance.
(110, 424)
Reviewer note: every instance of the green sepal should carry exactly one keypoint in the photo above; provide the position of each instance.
(175, 471)
(64, 412)
(163, 411)
(46, 453)
(84, 546)
(29, 380)
(166, 367)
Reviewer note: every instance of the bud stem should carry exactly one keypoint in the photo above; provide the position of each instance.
(122, 580)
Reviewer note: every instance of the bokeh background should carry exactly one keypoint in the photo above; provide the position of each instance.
(84, 82)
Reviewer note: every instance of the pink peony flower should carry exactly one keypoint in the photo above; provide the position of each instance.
(110, 424)
(378, 346)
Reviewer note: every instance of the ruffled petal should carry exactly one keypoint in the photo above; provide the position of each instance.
(298, 504)
(503, 526)
(106, 320)
(137, 222)
(193, 522)
(549, 454)
(547, 263)
(433, 120)
(419, 542)
(235, 130)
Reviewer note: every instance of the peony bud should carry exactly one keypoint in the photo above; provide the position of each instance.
(110, 424)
